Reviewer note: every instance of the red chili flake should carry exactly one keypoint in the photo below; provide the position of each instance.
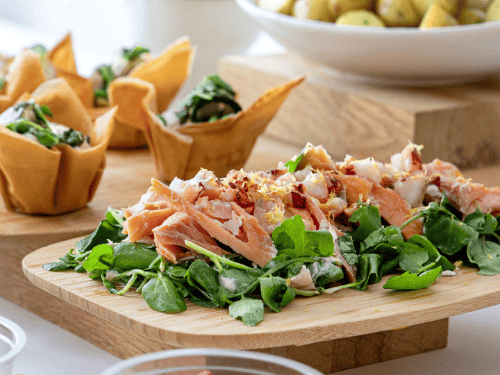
(298, 200)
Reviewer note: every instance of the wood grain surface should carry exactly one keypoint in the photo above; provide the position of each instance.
(343, 314)
(456, 123)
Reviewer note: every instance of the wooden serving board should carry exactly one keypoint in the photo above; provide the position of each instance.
(310, 326)
(458, 123)
(125, 179)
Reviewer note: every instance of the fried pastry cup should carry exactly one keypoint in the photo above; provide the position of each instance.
(37, 180)
(166, 72)
(25, 75)
(219, 146)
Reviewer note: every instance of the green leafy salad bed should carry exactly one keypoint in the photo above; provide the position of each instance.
(232, 281)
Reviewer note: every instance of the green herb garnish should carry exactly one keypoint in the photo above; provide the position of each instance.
(101, 94)
(211, 100)
(134, 53)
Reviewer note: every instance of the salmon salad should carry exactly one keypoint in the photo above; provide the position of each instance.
(254, 241)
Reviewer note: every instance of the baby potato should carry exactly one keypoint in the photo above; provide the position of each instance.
(437, 17)
(478, 4)
(340, 7)
(279, 6)
(493, 13)
(397, 13)
(421, 6)
(360, 18)
(469, 16)
(313, 10)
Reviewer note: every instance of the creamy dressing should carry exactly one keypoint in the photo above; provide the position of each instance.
(228, 283)
(302, 280)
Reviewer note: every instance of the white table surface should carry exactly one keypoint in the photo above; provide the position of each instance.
(474, 338)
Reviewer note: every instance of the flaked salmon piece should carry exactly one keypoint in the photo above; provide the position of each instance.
(412, 189)
(315, 185)
(149, 201)
(394, 209)
(215, 209)
(409, 160)
(170, 237)
(356, 188)
(317, 158)
(253, 242)
(204, 183)
(441, 169)
(151, 210)
(465, 196)
(270, 213)
(142, 224)
(333, 207)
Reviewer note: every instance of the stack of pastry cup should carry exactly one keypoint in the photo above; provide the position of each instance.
(37, 180)
(166, 72)
(219, 146)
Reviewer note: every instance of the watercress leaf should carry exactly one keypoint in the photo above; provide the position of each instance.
(481, 222)
(161, 295)
(104, 233)
(389, 266)
(176, 272)
(289, 237)
(272, 290)
(293, 163)
(115, 217)
(129, 255)
(486, 255)
(449, 234)
(319, 242)
(412, 281)
(201, 276)
(434, 255)
(324, 273)
(237, 278)
(368, 220)
(288, 297)
(57, 266)
(108, 284)
(391, 236)
(293, 269)
(275, 261)
(348, 250)
(133, 53)
(368, 270)
(101, 258)
(2, 82)
(249, 310)
(72, 137)
(46, 111)
(39, 48)
(412, 257)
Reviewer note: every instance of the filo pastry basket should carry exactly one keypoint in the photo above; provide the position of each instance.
(35, 179)
(219, 146)
(166, 72)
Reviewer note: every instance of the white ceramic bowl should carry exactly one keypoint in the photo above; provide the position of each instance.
(405, 56)
(12, 342)
(218, 361)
